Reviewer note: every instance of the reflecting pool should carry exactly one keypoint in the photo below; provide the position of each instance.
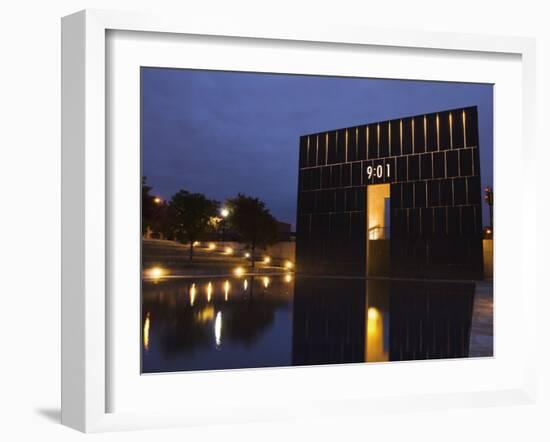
(283, 320)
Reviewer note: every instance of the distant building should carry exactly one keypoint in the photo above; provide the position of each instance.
(399, 198)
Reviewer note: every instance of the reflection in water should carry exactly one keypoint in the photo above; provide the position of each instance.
(146, 326)
(375, 349)
(192, 294)
(218, 329)
(282, 320)
(226, 290)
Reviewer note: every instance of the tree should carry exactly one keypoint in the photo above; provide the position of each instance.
(189, 215)
(252, 222)
(153, 210)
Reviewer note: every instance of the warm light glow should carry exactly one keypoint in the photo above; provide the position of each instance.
(247, 255)
(146, 327)
(288, 277)
(218, 329)
(489, 231)
(196, 243)
(238, 272)
(157, 200)
(192, 294)
(211, 246)
(206, 314)
(266, 281)
(228, 250)
(267, 260)
(373, 313)
(226, 289)
(375, 350)
(209, 291)
(245, 284)
(224, 212)
(289, 264)
(155, 272)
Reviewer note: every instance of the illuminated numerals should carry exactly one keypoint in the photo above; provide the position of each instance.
(378, 172)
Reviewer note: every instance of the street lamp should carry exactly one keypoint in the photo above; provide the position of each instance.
(224, 213)
(157, 200)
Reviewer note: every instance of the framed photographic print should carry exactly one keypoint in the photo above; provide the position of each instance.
(268, 223)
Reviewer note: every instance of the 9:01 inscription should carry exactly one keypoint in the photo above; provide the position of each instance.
(379, 171)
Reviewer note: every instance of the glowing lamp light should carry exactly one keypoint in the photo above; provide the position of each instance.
(224, 212)
(372, 314)
(156, 272)
(196, 243)
(289, 264)
(288, 277)
(267, 260)
(157, 200)
(228, 250)
(238, 272)
(247, 255)
(212, 246)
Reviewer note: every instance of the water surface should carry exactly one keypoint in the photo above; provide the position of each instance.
(271, 321)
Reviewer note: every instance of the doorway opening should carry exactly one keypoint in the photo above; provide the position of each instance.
(378, 230)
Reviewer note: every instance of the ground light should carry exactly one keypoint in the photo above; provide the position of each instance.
(155, 272)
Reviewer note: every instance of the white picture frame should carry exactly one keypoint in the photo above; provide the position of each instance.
(86, 202)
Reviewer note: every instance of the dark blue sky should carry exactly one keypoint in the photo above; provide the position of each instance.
(221, 133)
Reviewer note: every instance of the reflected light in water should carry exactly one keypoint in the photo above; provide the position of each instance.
(192, 294)
(266, 281)
(226, 289)
(146, 327)
(374, 350)
(209, 291)
(206, 314)
(245, 284)
(218, 329)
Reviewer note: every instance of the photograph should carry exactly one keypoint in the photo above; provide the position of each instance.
(302, 220)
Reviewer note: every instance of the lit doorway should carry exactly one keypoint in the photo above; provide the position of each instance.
(378, 230)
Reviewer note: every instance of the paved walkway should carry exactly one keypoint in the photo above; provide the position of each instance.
(481, 337)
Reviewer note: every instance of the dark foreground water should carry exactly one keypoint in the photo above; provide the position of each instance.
(206, 324)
